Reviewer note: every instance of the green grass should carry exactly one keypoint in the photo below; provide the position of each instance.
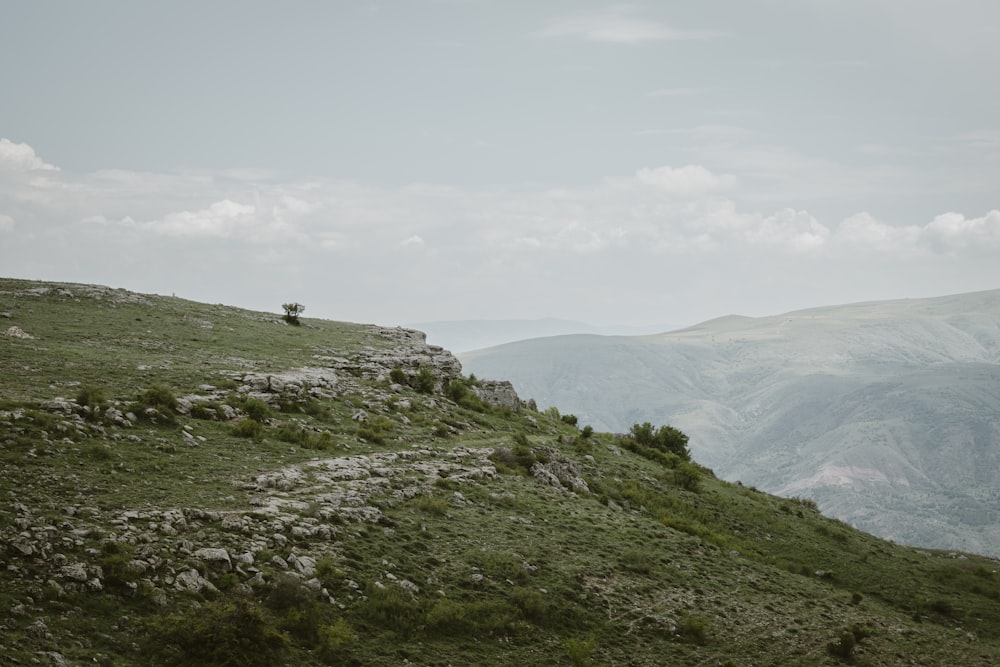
(444, 550)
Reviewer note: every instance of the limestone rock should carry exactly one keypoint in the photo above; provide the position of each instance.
(217, 559)
(191, 580)
(17, 332)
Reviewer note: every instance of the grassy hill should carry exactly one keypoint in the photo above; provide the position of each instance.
(194, 484)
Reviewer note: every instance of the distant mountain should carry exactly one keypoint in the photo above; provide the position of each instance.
(886, 413)
(466, 335)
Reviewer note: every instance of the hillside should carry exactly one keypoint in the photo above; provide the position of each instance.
(195, 484)
(886, 413)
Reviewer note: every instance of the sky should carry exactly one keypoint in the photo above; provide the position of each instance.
(422, 160)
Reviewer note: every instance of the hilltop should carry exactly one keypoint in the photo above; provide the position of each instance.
(884, 412)
(190, 484)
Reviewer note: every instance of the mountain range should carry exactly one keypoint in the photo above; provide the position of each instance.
(465, 335)
(886, 413)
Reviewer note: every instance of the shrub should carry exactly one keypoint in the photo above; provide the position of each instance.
(843, 646)
(569, 419)
(424, 381)
(665, 439)
(161, 400)
(116, 563)
(248, 428)
(298, 434)
(587, 431)
(533, 605)
(256, 409)
(374, 430)
(449, 618)
(694, 629)
(687, 476)
(580, 651)
(297, 607)
(205, 410)
(229, 632)
(432, 505)
(90, 395)
(397, 376)
(388, 608)
(335, 641)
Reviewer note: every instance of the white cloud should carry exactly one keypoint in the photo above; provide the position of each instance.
(21, 157)
(413, 242)
(619, 25)
(222, 219)
(7, 223)
(689, 180)
(864, 231)
(954, 233)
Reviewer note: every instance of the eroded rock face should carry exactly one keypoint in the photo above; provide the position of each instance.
(298, 382)
(407, 350)
(501, 393)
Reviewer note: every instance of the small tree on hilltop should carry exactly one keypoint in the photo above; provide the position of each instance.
(292, 312)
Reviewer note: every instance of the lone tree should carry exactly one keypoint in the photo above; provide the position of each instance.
(292, 312)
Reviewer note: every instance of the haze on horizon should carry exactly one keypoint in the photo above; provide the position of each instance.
(431, 160)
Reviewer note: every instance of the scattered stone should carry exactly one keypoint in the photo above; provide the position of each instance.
(17, 332)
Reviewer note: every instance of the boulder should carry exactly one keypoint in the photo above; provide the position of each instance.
(217, 559)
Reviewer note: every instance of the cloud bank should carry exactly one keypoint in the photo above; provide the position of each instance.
(426, 251)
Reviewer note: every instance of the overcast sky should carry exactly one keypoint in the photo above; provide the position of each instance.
(422, 160)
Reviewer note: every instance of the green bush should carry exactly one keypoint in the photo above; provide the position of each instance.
(587, 431)
(375, 430)
(423, 381)
(569, 419)
(843, 646)
(205, 410)
(90, 395)
(248, 428)
(694, 630)
(229, 632)
(159, 398)
(580, 651)
(534, 606)
(665, 439)
(300, 435)
(432, 505)
(397, 376)
(687, 476)
(449, 618)
(335, 642)
(256, 409)
(116, 564)
(389, 609)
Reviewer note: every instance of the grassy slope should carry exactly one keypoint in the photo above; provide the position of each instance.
(639, 571)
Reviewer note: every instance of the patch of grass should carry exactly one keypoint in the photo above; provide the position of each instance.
(432, 505)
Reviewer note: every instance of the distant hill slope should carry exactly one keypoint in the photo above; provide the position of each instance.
(887, 413)
(465, 335)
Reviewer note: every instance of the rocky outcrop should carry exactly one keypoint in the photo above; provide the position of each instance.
(501, 393)
(405, 349)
